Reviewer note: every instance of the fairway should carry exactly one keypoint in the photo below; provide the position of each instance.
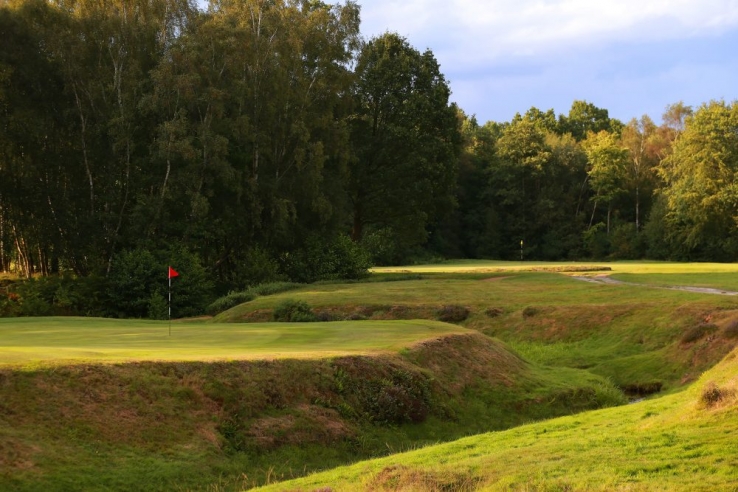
(631, 267)
(30, 341)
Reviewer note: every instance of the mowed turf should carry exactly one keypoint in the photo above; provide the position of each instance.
(29, 341)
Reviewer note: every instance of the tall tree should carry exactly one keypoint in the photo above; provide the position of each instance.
(701, 183)
(406, 140)
(608, 161)
(640, 138)
(585, 117)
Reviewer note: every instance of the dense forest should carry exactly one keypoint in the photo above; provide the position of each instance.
(264, 140)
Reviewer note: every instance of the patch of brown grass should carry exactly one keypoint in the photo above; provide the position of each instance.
(308, 424)
(463, 360)
(402, 478)
(714, 396)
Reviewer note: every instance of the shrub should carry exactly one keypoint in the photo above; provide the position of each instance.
(138, 275)
(529, 312)
(293, 311)
(698, 331)
(452, 314)
(493, 312)
(321, 259)
(712, 394)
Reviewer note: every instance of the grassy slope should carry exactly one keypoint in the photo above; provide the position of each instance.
(627, 333)
(189, 425)
(678, 442)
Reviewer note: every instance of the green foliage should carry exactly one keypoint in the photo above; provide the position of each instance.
(319, 259)
(60, 295)
(138, 281)
(405, 140)
(700, 187)
(293, 311)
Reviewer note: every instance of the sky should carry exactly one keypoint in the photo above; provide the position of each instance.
(631, 57)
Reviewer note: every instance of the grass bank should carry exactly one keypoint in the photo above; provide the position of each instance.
(644, 339)
(231, 424)
(684, 441)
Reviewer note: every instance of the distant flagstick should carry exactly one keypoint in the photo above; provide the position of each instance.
(172, 273)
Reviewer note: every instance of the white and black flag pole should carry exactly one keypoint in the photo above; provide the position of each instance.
(172, 273)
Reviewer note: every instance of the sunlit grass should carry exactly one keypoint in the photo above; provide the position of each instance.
(671, 443)
(29, 341)
(458, 266)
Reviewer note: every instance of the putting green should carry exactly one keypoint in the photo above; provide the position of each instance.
(32, 341)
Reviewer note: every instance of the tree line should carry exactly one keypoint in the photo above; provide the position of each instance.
(266, 139)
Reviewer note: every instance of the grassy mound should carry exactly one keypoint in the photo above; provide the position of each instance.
(684, 441)
(643, 339)
(228, 425)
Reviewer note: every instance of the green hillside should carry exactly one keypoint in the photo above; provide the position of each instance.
(685, 441)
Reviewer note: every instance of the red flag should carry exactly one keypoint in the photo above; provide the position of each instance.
(173, 272)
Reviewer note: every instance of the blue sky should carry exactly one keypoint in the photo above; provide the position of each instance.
(632, 57)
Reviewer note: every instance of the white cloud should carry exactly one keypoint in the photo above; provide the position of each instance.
(497, 28)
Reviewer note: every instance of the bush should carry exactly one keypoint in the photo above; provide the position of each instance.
(696, 332)
(293, 311)
(138, 278)
(493, 312)
(321, 259)
(452, 314)
(712, 394)
(529, 312)
(251, 267)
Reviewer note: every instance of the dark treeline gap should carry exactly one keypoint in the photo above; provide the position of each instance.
(266, 140)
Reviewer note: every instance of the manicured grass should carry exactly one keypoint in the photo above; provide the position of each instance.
(716, 279)
(29, 341)
(678, 442)
(641, 267)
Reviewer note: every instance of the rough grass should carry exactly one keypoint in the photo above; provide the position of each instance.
(188, 425)
(678, 442)
(629, 334)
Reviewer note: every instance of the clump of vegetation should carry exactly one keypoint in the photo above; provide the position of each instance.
(530, 311)
(452, 313)
(493, 312)
(294, 311)
(698, 331)
(712, 394)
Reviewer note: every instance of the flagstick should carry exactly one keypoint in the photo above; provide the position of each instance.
(170, 305)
